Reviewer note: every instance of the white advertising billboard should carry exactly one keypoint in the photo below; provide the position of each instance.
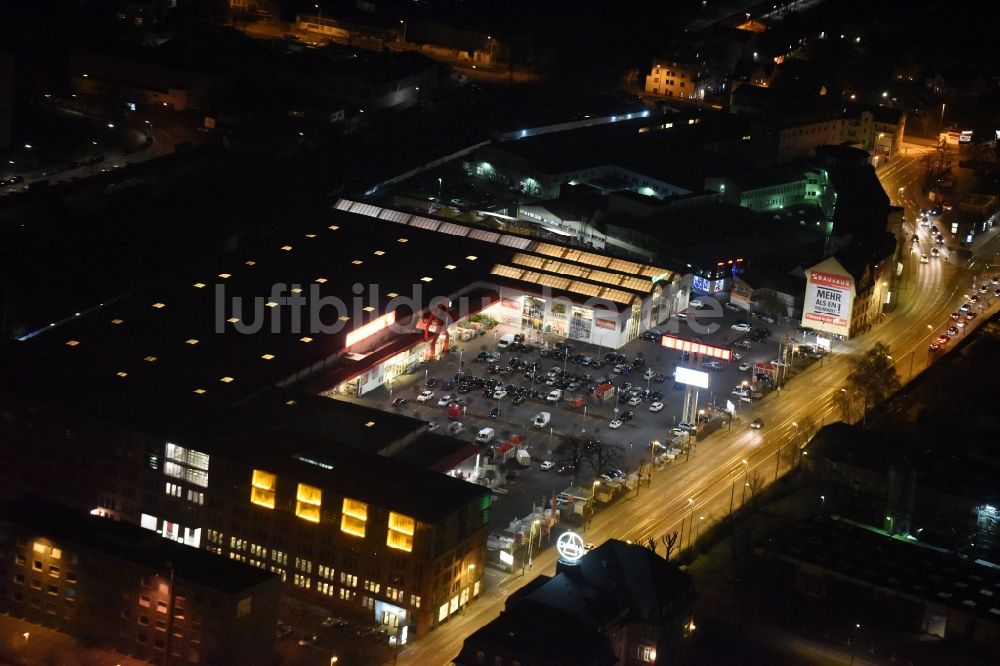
(828, 304)
(692, 377)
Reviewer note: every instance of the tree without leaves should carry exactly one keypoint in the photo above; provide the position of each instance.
(845, 403)
(791, 453)
(873, 376)
(572, 451)
(602, 456)
(670, 541)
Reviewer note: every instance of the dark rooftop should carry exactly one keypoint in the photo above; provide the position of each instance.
(132, 544)
(639, 145)
(871, 557)
(610, 580)
(536, 634)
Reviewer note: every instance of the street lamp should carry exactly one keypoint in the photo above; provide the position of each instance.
(403, 23)
(746, 471)
(583, 424)
(333, 660)
(691, 528)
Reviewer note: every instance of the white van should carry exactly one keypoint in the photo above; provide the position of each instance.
(542, 419)
(506, 340)
(485, 436)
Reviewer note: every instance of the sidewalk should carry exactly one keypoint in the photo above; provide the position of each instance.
(26, 644)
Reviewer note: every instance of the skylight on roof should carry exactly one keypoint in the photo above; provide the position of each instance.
(72, 343)
(296, 290)
(333, 227)
(305, 339)
(150, 359)
(344, 318)
(368, 308)
(403, 240)
(392, 294)
(192, 341)
(122, 373)
(117, 322)
(321, 280)
(357, 262)
(426, 279)
(290, 402)
(267, 357)
(225, 276)
(159, 306)
(226, 380)
(450, 267)
(271, 304)
(369, 424)
(199, 285)
(472, 257)
(250, 262)
(232, 320)
(310, 235)
(286, 248)
(199, 391)
(379, 253)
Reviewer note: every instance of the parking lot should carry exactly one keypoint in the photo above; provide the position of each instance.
(499, 381)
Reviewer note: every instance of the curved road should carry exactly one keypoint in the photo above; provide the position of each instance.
(703, 490)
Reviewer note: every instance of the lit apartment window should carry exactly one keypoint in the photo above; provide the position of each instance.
(308, 501)
(263, 487)
(174, 452)
(355, 514)
(400, 535)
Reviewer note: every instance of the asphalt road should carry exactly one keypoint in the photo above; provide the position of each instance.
(704, 489)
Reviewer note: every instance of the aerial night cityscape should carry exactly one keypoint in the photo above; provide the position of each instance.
(499, 333)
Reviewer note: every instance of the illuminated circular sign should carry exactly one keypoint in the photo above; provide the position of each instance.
(570, 546)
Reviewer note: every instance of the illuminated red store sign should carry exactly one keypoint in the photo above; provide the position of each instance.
(680, 344)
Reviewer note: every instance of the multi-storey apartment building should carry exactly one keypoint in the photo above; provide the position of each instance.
(117, 585)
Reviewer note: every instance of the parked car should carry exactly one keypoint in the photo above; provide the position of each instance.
(741, 326)
(398, 402)
(733, 307)
(757, 424)
(656, 406)
(546, 465)
(431, 382)
(554, 395)
(744, 367)
(712, 365)
(425, 396)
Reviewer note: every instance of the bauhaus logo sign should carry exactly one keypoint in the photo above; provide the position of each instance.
(830, 280)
